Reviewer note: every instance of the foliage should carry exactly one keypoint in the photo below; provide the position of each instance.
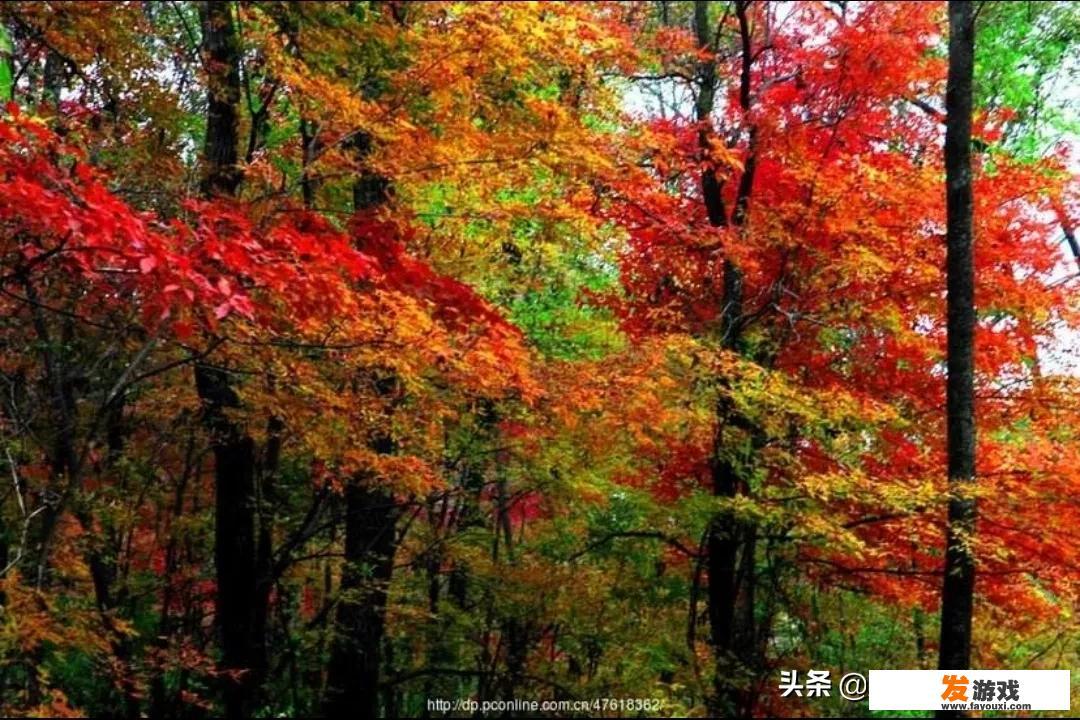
(474, 265)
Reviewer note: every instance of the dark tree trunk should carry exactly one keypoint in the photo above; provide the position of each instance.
(711, 186)
(959, 582)
(235, 544)
(221, 58)
(371, 516)
(235, 552)
(729, 542)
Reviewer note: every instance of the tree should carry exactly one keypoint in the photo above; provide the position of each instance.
(957, 595)
(235, 543)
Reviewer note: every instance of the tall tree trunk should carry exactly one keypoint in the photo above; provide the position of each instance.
(235, 543)
(729, 541)
(959, 582)
(371, 517)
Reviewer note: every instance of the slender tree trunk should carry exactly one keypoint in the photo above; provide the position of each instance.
(959, 583)
(371, 511)
(371, 516)
(221, 58)
(235, 541)
(730, 543)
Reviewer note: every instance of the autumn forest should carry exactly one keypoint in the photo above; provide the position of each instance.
(381, 359)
